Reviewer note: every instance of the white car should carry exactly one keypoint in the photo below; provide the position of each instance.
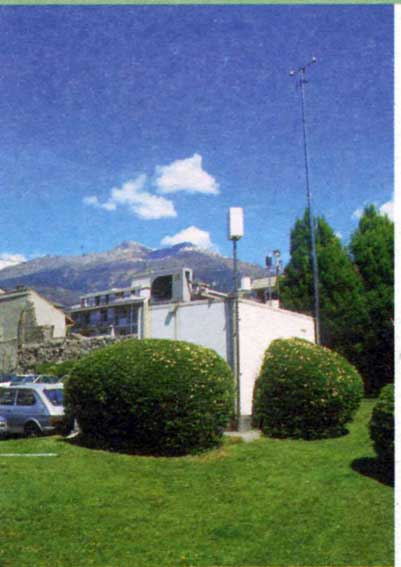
(3, 427)
(32, 409)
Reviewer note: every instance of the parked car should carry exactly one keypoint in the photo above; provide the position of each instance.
(43, 379)
(18, 379)
(32, 409)
(3, 427)
(5, 379)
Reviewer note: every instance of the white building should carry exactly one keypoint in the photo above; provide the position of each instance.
(168, 306)
(26, 317)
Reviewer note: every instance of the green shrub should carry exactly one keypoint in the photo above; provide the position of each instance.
(382, 425)
(152, 396)
(58, 369)
(305, 391)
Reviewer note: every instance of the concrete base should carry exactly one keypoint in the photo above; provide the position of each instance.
(244, 423)
(247, 436)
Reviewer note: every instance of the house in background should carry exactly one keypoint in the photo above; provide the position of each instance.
(265, 289)
(169, 305)
(26, 317)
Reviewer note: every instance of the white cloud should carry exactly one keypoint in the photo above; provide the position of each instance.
(338, 234)
(185, 175)
(92, 200)
(388, 209)
(139, 202)
(191, 234)
(7, 259)
(357, 214)
(108, 206)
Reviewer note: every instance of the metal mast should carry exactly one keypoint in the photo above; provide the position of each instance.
(301, 73)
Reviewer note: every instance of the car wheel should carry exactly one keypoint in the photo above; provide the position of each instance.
(31, 429)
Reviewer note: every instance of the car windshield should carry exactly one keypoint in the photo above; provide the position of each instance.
(22, 379)
(56, 397)
(48, 379)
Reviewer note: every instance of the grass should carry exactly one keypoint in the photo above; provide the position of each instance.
(270, 502)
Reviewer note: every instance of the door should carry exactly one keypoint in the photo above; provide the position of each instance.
(28, 406)
(7, 405)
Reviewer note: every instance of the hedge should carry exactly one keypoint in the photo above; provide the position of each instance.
(305, 391)
(58, 369)
(152, 396)
(382, 425)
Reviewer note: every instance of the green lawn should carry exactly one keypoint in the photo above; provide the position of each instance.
(270, 502)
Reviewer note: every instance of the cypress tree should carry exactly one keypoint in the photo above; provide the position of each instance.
(342, 303)
(372, 249)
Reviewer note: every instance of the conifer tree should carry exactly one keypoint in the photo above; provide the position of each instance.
(372, 249)
(342, 303)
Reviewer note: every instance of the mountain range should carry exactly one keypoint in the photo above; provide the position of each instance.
(62, 279)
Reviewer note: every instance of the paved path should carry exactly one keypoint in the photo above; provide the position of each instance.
(247, 436)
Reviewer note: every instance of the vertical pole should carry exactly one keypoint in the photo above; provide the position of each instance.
(270, 287)
(302, 81)
(237, 373)
(277, 280)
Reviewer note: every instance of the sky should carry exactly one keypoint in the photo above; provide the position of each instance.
(147, 123)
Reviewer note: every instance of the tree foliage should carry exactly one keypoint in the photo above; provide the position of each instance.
(153, 396)
(356, 289)
(342, 303)
(372, 249)
(381, 426)
(305, 391)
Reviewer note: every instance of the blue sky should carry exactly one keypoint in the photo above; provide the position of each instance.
(148, 122)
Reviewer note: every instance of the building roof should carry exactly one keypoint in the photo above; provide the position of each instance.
(264, 283)
(21, 291)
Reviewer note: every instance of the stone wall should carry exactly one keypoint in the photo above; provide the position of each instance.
(29, 331)
(59, 350)
(8, 355)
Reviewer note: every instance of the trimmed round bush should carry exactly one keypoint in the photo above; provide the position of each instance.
(382, 425)
(305, 391)
(152, 396)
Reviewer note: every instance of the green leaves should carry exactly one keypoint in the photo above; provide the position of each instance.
(152, 396)
(305, 391)
(355, 288)
(382, 426)
(372, 249)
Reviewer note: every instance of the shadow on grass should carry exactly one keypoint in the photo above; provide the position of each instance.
(373, 468)
(128, 449)
(109, 446)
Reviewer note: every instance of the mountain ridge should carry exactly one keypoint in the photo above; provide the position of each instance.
(63, 279)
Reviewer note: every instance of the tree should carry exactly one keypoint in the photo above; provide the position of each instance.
(372, 250)
(342, 303)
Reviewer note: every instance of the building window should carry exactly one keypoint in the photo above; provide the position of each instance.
(162, 288)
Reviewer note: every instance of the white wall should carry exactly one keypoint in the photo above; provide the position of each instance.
(47, 314)
(207, 323)
(259, 325)
(10, 313)
(199, 322)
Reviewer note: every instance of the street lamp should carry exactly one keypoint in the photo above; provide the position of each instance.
(277, 255)
(235, 233)
(269, 264)
(301, 73)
